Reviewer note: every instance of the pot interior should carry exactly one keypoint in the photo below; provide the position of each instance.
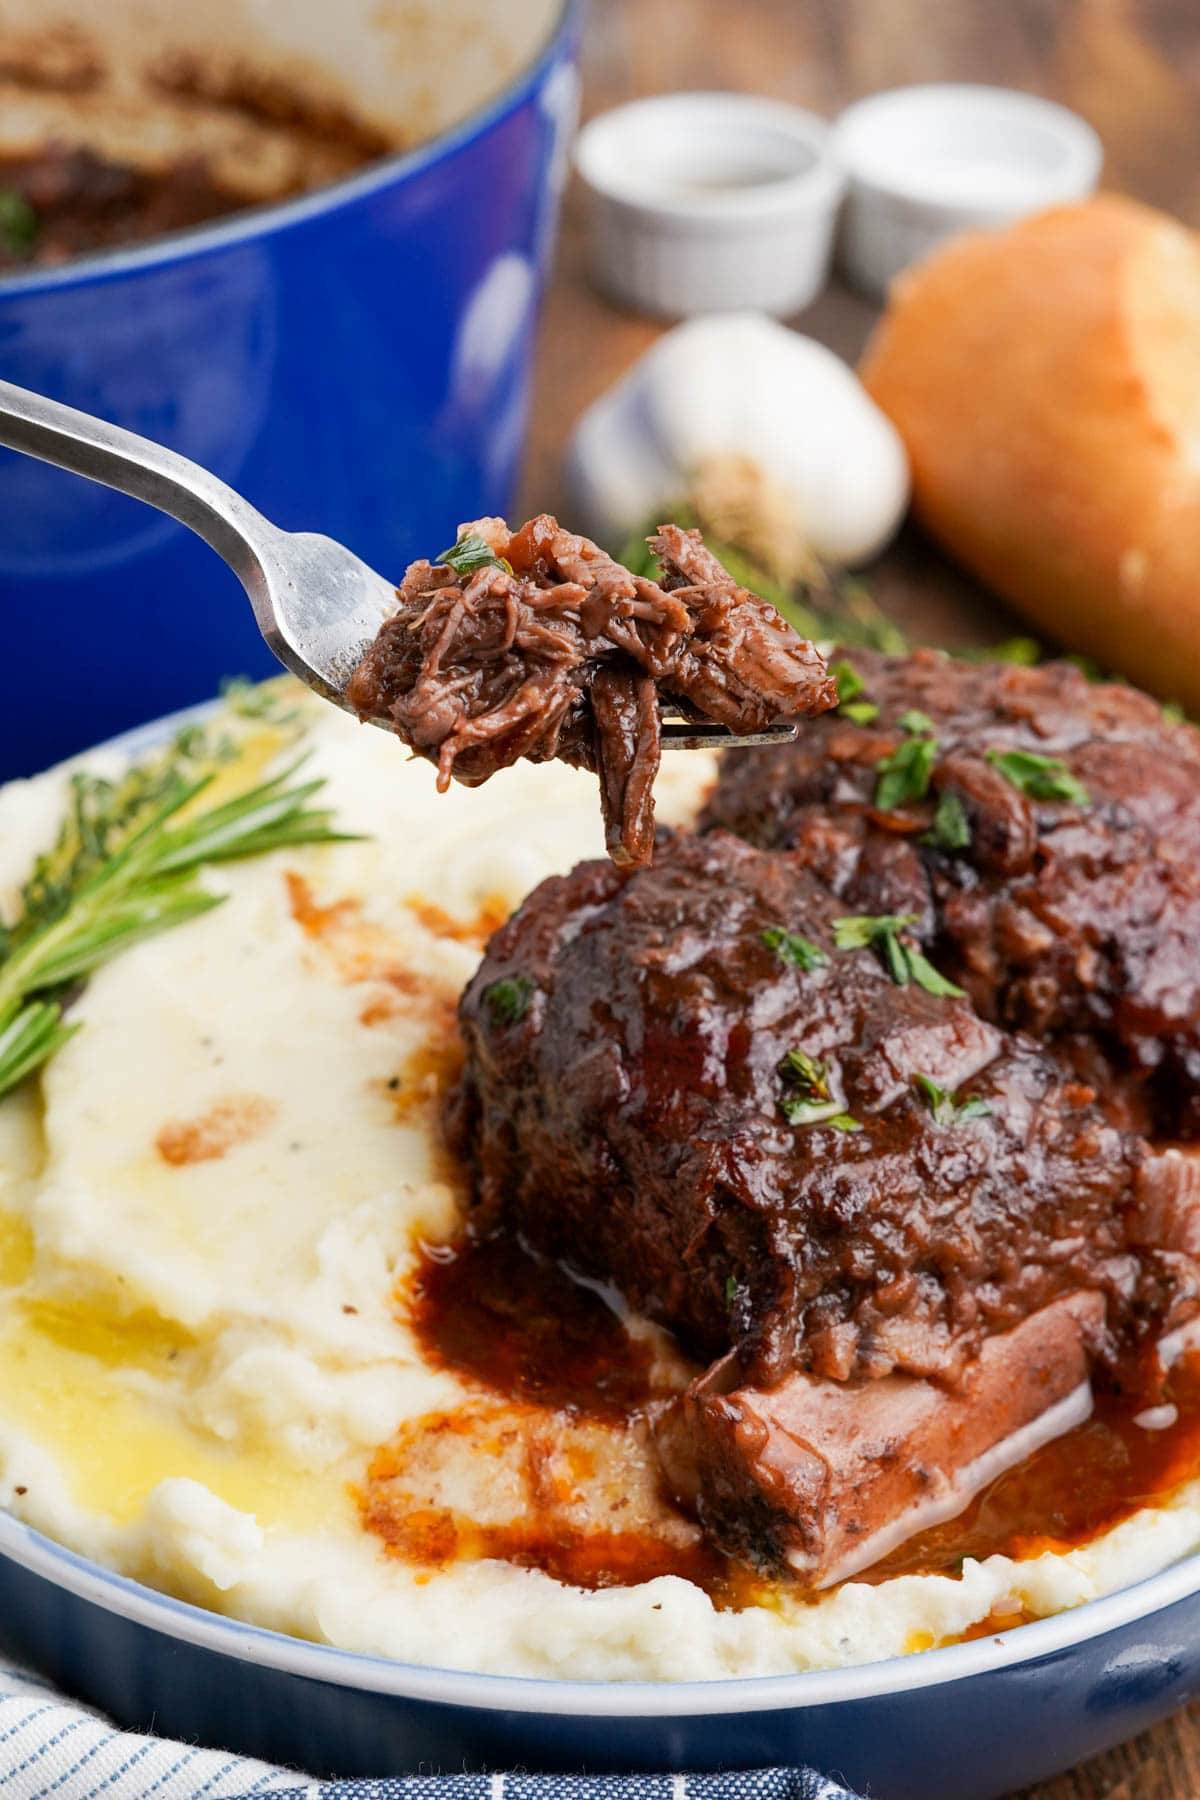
(273, 98)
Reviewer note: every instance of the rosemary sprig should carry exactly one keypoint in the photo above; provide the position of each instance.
(125, 867)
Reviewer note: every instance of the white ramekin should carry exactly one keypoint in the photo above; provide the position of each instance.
(703, 202)
(925, 162)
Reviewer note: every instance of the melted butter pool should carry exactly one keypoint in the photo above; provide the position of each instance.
(83, 1383)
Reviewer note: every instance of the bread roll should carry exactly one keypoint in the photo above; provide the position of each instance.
(1046, 380)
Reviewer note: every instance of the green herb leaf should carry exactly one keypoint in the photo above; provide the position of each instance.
(799, 1111)
(19, 224)
(809, 1099)
(902, 959)
(1173, 713)
(1041, 777)
(508, 1000)
(799, 1067)
(904, 775)
(917, 722)
(926, 976)
(731, 1292)
(850, 683)
(951, 828)
(797, 952)
(860, 931)
(945, 1110)
(125, 867)
(1025, 652)
(471, 553)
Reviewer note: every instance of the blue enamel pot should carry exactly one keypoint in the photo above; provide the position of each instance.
(356, 362)
(971, 1722)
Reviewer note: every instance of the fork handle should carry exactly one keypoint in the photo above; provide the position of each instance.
(133, 465)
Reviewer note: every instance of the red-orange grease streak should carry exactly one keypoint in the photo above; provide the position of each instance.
(311, 917)
(209, 1135)
(488, 919)
(566, 1384)
(592, 1559)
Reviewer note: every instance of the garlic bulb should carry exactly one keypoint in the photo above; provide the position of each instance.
(737, 387)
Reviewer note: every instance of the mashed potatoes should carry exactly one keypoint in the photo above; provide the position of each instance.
(207, 1204)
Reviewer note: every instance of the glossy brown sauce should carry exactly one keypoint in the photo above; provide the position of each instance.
(523, 1332)
(1070, 1491)
(520, 1327)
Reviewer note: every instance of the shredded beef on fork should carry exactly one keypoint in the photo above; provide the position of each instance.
(541, 646)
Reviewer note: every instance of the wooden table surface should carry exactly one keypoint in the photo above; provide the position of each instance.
(1132, 67)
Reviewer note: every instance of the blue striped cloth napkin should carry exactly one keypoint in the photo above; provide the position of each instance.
(54, 1749)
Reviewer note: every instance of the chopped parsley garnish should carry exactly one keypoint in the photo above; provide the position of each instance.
(951, 829)
(508, 1000)
(809, 1100)
(943, 1107)
(471, 553)
(1173, 713)
(796, 951)
(904, 775)
(902, 959)
(1041, 777)
(926, 976)
(916, 722)
(19, 224)
(731, 1291)
(1025, 652)
(850, 683)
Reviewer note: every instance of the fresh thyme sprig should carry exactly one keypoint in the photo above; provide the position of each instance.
(125, 867)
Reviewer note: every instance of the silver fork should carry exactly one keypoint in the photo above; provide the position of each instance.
(317, 605)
